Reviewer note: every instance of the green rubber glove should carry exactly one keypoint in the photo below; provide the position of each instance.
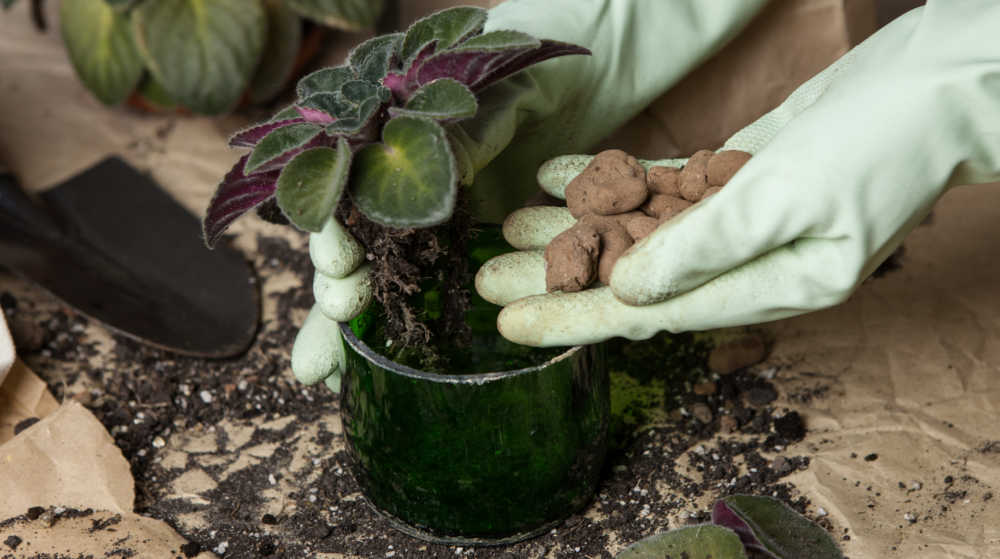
(850, 163)
(640, 49)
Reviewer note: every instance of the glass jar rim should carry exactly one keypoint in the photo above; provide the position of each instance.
(473, 378)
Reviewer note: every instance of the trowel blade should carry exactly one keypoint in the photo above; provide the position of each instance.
(131, 257)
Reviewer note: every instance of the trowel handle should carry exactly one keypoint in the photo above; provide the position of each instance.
(21, 218)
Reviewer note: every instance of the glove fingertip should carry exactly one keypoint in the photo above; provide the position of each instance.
(556, 173)
(316, 353)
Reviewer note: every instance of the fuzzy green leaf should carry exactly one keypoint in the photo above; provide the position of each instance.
(327, 80)
(504, 39)
(279, 143)
(353, 124)
(372, 58)
(408, 180)
(287, 113)
(100, 45)
(284, 35)
(358, 91)
(312, 183)
(203, 52)
(332, 104)
(447, 27)
(694, 542)
(768, 525)
(442, 99)
(351, 15)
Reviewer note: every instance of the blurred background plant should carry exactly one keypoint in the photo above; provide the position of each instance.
(205, 56)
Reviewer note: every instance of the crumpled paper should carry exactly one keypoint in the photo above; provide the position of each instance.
(67, 461)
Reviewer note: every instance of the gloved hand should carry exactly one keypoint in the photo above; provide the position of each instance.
(849, 164)
(559, 106)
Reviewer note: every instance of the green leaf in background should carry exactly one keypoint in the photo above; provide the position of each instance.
(350, 15)
(121, 5)
(310, 186)
(153, 92)
(441, 99)
(372, 58)
(694, 542)
(284, 36)
(204, 52)
(279, 143)
(408, 180)
(327, 80)
(447, 27)
(100, 45)
(7, 3)
(768, 525)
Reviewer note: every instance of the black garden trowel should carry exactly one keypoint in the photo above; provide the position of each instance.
(110, 243)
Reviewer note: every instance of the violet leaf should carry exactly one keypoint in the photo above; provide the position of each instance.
(284, 37)
(444, 99)
(333, 104)
(237, 194)
(326, 80)
(511, 65)
(208, 66)
(249, 137)
(373, 58)
(353, 124)
(444, 28)
(312, 183)
(694, 542)
(768, 525)
(314, 115)
(409, 179)
(357, 91)
(281, 144)
(350, 15)
(288, 113)
(501, 39)
(100, 45)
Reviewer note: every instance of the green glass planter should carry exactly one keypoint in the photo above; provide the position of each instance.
(475, 458)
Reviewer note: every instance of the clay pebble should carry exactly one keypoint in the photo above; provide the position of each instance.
(614, 182)
(662, 206)
(694, 176)
(664, 180)
(723, 165)
(615, 240)
(571, 258)
(617, 203)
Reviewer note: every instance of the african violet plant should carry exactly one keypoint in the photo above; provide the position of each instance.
(203, 55)
(377, 129)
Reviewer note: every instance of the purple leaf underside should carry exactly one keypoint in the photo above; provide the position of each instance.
(248, 138)
(314, 115)
(237, 194)
(548, 49)
(724, 516)
(277, 163)
(479, 69)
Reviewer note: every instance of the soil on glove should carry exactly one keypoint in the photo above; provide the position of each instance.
(618, 202)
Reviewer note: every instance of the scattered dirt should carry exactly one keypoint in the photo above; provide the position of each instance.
(244, 426)
(604, 198)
